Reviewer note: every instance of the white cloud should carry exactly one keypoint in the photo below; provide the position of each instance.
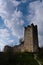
(7, 8)
(36, 17)
(4, 33)
(12, 19)
(16, 3)
(4, 38)
(16, 23)
(10, 42)
(1, 46)
(3, 12)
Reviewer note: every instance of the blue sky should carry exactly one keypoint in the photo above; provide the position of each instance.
(15, 15)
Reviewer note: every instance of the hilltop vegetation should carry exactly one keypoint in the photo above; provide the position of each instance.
(24, 58)
(40, 55)
(18, 59)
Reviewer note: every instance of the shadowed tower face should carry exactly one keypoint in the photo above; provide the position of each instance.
(31, 38)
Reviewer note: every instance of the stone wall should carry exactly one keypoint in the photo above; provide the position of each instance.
(31, 38)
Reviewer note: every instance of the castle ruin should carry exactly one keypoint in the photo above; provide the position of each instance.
(31, 38)
(30, 43)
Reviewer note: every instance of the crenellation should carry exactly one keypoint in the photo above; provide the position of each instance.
(31, 38)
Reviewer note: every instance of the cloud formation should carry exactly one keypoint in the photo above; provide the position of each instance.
(13, 20)
(4, 34)
(15, 23)
(11, 16)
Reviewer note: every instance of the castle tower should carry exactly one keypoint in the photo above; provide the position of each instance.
(31, 38)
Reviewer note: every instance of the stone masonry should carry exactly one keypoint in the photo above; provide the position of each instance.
(31, 38)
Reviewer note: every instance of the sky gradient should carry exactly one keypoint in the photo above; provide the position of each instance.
(15, 15)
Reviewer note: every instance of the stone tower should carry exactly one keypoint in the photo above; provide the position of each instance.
(31, 38)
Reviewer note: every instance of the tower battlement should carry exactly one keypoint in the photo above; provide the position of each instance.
(31, 38)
